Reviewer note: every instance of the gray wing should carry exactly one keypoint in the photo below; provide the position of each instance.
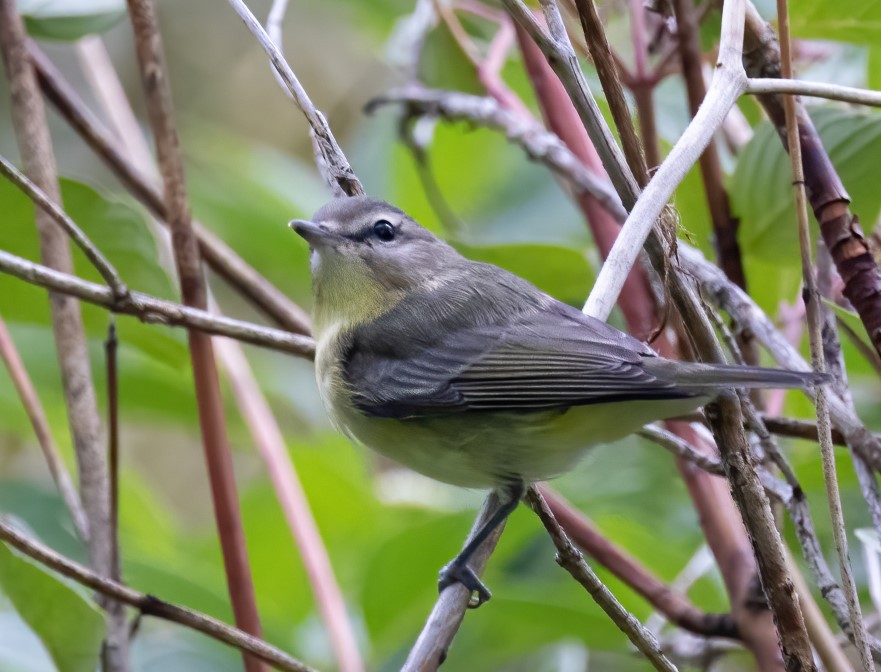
(549, 356)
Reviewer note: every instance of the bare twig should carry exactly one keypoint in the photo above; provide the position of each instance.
(813, 307)
(50, 207)
(148, 604)
(339, 173)
(37, 416)
(562, 58)
(570, 559)
(29, 121)
(433, 643)
(682, 449)
(216, 253)
(148, 43)
(150, 309)
(115, 608)
(797, 87)
(674, 605)
(601, 53)
(724, 224)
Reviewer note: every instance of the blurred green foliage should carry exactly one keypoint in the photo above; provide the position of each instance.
(387, 531)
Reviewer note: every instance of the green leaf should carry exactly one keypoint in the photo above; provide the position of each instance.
(120, 232)
(70, 20)
(561, 272)
(761, 195)
(852, 321)
(847, 21)
(69, 625)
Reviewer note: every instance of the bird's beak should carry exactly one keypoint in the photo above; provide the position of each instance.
(314, 234)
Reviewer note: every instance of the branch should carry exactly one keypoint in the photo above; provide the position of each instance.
(339, 175)
(218, 456)
(51, 208)
(675, 606)
(728, 83)
(154, 310)
(829, 199)
(601, 54)
(34, 409)
(431, 648)
(813, 307)
(761, 86)
(222, 259)
(35, 145)
(148, 604)
(562, 58)
(724, 224)
(570, 559)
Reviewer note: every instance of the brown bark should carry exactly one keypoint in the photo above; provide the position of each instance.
(194, 292)
(828, 198)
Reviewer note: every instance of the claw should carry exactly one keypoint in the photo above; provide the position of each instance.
(458, 572)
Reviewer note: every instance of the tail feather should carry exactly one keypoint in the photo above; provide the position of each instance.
(700, 377)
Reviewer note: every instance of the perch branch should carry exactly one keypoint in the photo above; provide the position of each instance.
(761, 86)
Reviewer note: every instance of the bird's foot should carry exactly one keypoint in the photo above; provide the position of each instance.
(457, 571)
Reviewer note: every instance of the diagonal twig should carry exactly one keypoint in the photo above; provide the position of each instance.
(570, 559)
(340, 175)
(148, 604)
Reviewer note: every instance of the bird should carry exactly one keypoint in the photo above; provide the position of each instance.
(471, 375)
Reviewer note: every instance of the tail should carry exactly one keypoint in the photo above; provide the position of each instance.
(706, 378)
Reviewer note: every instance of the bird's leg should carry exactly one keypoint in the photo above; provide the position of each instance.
(457, 570)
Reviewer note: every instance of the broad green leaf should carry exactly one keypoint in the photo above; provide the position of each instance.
(69, 625)
(761, 195)
(120, 232)
(561, 272)
(70, 19)
(847, 21)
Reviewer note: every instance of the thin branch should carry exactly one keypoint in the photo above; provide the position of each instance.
(217, 254)
(562, 58)
(682, 449)
(813, 307)
(798, 87)
(212, 420)
(339, 173)
(34, 409)
(35, 145)
(829, 199)
(570, 559)
(51, 208)
(674, 605)
(115, 608)
(431, 648)
(539, 144)
(728, 83)
(601, 53)
(153, 310)
(724, 224)
(148, 604)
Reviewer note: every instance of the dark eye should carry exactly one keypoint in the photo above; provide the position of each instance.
(384, 230)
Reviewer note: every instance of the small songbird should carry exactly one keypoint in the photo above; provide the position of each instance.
(471, 375)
